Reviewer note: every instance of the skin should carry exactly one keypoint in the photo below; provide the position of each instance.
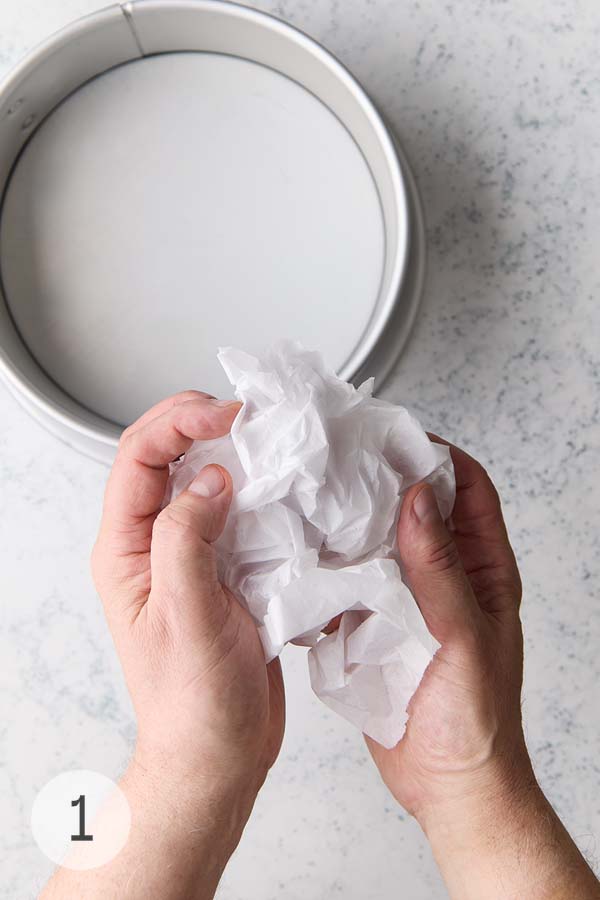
(211, 714)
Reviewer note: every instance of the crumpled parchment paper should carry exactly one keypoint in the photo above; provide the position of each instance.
(319, 470)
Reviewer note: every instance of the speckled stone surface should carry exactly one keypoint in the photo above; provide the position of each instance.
(497, 106)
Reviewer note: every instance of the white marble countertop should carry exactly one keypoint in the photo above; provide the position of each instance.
(497, 107)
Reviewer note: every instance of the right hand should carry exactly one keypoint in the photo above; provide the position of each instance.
(462, 767)
(464, 731)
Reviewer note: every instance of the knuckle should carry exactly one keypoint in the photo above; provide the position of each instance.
(184, 396)
(482, 475)
(101, 562)
(177, 520)
(491, 488)
(125, 439)
(441, 555)
(95, 562)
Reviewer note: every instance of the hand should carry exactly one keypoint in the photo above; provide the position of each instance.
(464, 721)
(462, 767)
(210, 712)
(206, 704)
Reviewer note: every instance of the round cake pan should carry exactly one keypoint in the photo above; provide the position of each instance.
(179, 176)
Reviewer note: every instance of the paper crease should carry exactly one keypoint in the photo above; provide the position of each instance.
(319, 471)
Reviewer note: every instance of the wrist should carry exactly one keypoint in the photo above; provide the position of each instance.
(468, 805)
(194, 817)
(219, 798)
(503, 839)
(494, 830)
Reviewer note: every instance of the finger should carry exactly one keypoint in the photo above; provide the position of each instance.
(433, 568)
(183, 563)
(159, 408)
(138, 479)
(480, 534)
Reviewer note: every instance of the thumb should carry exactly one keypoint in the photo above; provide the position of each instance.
(433, 568)
(183, 560)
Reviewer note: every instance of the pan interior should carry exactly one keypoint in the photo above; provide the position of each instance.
(179, 203)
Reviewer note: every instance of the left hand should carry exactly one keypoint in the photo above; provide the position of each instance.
(209, 710)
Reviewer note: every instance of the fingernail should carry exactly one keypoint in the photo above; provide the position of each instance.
(208, 483)
(226, 402)
(425, 506)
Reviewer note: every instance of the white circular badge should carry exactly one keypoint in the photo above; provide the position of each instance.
(80, 819)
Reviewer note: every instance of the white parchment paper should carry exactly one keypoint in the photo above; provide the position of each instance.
(319, 470)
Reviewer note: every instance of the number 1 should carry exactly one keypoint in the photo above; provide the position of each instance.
(82, 836)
